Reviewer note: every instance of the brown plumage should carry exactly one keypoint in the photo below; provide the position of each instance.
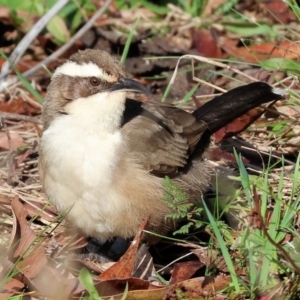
(104, 157)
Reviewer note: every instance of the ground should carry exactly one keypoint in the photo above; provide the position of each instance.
(244, 243)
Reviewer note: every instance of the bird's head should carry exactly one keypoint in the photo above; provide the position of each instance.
(89, 74)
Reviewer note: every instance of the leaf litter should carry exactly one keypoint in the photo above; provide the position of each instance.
(39, 252)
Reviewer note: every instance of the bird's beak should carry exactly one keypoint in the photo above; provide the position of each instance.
(127, 84)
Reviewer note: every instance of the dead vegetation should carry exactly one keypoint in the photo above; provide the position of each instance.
(37, 248)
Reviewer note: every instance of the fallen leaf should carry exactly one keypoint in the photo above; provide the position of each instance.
(40, 212)
(188, 289)
(212, 259)
(22, 243)
(279, 10)
(185, 270)
(144, 263)
(238, 125)
(21, 107)
(51, 283)
(289, 110)
(217, 154)
(13, 286)
(33, 262)
(27, 153)
(197, 287)
(116, 286)
(205, 44)
(11, 140)
(4, 12)
(94, 266)
(125, 266)
(284, 49)
(5, 295)
(23, 65)
(257, 53)
(65, 241)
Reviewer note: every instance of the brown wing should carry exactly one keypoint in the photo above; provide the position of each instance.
(160, 137)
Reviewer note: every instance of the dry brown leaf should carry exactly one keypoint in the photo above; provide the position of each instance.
(5, 295)
(190, 289)
(33, 265)
(205, 44)
(40, 212)
(24, 64)
(6, 200)
(51, 283)
(201, 286)
(21, 107)
(257, 53)
(4, 12)
(238, 125)
(10, 140)
(185, 270)
(212, 259)
(94, 266)
(289, 110)
(23, 238)
(13, 286)
(279, 10)
(216, 154)
(117, 286)
(125, 266)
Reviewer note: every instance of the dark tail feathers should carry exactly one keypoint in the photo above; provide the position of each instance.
(223, 109)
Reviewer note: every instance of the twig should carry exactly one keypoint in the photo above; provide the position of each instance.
(208, 96)
(62, 49)
(9, 157)
(212, 62)
(11, 116)
(174, 261)
(29, 37)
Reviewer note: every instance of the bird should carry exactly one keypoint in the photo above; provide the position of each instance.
(103, 157)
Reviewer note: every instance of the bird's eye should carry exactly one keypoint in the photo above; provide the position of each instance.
(94, 81)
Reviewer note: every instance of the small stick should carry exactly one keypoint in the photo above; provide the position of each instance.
(11, 116)
(29, 37)
(62, 49)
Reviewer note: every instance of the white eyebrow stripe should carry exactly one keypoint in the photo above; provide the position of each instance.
(71, 68)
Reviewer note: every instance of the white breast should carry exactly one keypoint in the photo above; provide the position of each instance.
(81, 151)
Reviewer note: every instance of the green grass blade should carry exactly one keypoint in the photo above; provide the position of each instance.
(124, 296)
(128, 42)
(167, 90)
(244, 177)
(189, 95)
(224, 249)
(25, 82)
(86, 280)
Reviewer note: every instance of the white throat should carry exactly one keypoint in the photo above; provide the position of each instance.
(101, 112)
(83, 149)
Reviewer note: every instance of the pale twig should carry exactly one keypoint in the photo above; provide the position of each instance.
(30, 36)
(212, 62)
(11, 116)
(174, 261)
(65, 47)
(207, 96)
